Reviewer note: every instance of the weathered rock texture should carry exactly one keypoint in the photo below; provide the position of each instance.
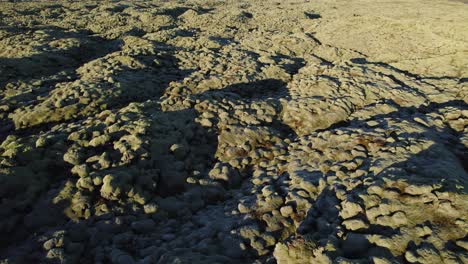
(234, 132)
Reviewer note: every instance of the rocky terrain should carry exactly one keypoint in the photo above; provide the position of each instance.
(203, 131)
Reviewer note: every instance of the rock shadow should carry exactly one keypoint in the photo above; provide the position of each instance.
(32, 207)
(180, 148)
(53, 61)
(112, 91)
(439, 168)
(23, 80)
(364, 61)
(270, 91)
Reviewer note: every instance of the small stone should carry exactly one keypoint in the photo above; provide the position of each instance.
(286, 210)
(243, 209)
(420, 121)
(73, 156)
(179, 151)
(462, 244)
(191, 180)
(399, 218)
(259, 246)
(37, 83)
(355, 224)
(150, 208)
(372, 123)
(41, 142)
(268, 190)
(410, 257)
(206, 122)
(105, 161)
(418, 189)
(85, 183)
(100, 140)
(97, 181)
(423, 231)
(56, 253)
(81, 170)
(226, 173)
(49, 244)
(350, 209)
(446, 208)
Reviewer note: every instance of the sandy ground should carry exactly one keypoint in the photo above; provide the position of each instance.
(234, 132)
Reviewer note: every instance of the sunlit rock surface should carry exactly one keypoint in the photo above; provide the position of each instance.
(234, 132)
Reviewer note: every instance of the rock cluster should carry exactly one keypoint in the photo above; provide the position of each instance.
(232, 132)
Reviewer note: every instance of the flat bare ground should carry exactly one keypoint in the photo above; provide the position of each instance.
(234, 132)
